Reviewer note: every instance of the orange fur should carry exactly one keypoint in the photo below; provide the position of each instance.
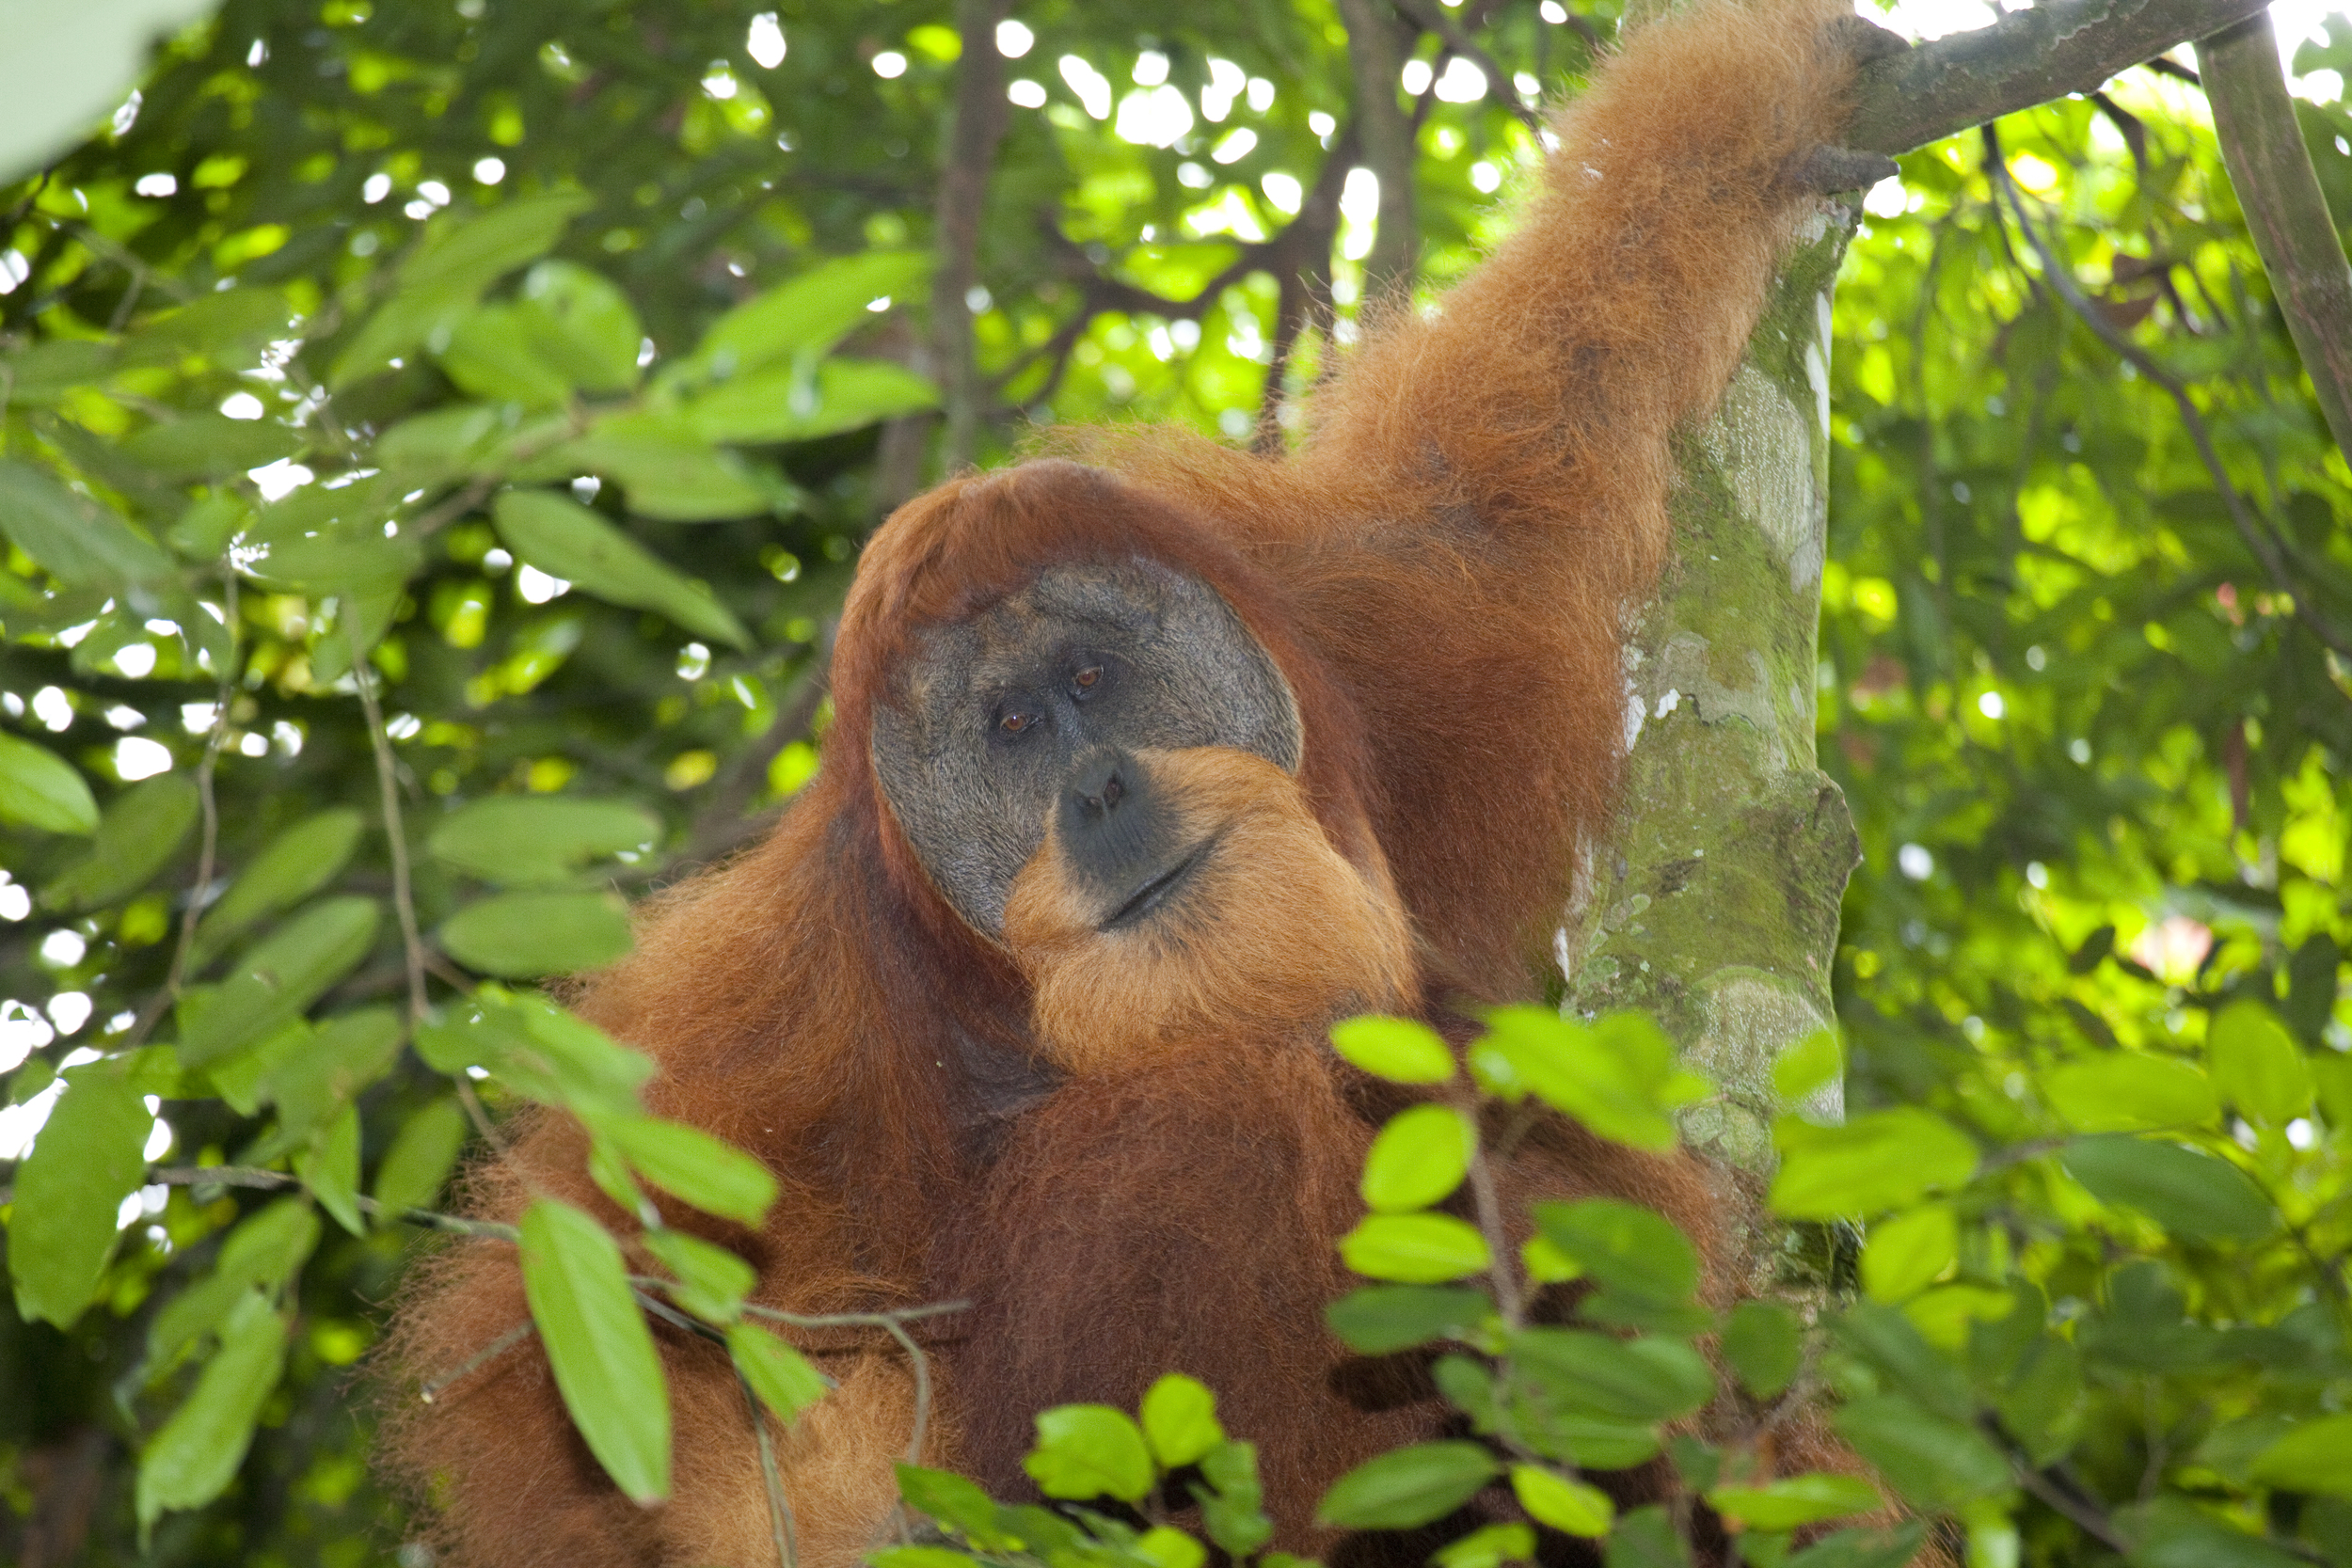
(1440, 573)
(1280, 931)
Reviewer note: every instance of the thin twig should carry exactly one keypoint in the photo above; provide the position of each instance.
(779, 1507)
(451, 508)
(674, 1318)
(277, 1181)
(856, 1320)
(477, 1360)
(2088, 1518)
(724, 822)
(2250, 528)
(1461, 43)
(1509, 1301)
(388, 786)
(922, 1366)
(208, 853)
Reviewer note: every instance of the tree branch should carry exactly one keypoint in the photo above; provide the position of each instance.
(2262, 143)
(1458, 41)
(1299, 278)
(1933, 90)
(278, 1180)
(1387, 133)
(2258, 538)
(974, 129)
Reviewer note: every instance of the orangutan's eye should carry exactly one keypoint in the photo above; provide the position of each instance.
(1086, 679)
(1013, 723)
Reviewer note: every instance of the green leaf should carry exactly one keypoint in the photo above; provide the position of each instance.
(143, 827)
(1864, 1547)
(537, 839)
(1165, 1546)
(1647, 1538)
(2042, 1404)
(1806, 1067)
(1650, 1377)
(2170, 1531)
(45, 372)
(1883, 1160)
(1795, 1500)
(526, 935)
(2257, 1065)
(81, 543)
(1909, 1252)
(668, 469)
(1489, 1546)
(1568, 1506)
(314, 1084)
(711, 1175)
(779, 1375)
(566, 539)
(1764, 1344)
(274, 982)
(536, 1049)
(2194, 1194)
(204, 529)
(589, 329)
(713, 1281)
(1933, 1461)
(952, 1501)
(2313, 1456)
(1414, 1249)
(1232, 1504)
(1890, 1341)
(922, 1557)
(41, 789)
(1376, 1320)
(2129, 1092)
(491, 353)
(598, 1344)
(803, 316)
(85, 1162)
(786, 403)
(423, 1153)
(193, 1456)
(443, 444)
(463, 255)
(346, 559)
(211, 446)
(1619, 1076)
(263, 1253)
(1180, 1422)
(367, 616)
(1418, 1158)
(1400, 1050)
(224, 328)
(329, 1167)
(1090, 1450)
(296, 864)
(1635, 1251)
(1408, 1487)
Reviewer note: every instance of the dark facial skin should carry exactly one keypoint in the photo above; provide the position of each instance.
(1000, 715)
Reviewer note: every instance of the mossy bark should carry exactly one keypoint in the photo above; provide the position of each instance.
(1712, 900)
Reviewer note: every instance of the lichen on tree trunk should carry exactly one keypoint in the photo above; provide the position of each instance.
(1712, 902)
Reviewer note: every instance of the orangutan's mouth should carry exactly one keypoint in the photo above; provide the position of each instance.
(1158, 888)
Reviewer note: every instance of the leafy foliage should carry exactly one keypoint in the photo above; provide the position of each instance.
(432, 443)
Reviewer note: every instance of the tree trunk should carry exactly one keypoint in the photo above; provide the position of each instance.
(1711, 903)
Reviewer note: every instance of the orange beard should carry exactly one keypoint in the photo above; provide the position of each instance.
(1275, 932)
